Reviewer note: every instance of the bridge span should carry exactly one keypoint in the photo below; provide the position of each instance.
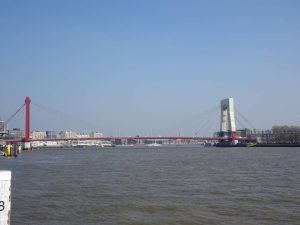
(227, 130)
(112, 138)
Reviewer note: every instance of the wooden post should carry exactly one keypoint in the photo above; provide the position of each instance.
(19, 149)
(15, 150)
(5, 204)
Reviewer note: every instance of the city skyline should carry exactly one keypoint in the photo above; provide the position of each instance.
(149, 68)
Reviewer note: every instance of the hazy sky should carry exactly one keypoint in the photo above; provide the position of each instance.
(149, 67)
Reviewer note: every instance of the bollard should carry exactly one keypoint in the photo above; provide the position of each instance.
(15, 150)
(19, 149)
(8, 150)
(5, 188)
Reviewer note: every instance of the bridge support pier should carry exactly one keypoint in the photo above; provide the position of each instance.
(26, 145)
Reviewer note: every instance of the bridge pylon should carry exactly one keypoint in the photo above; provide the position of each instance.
(27, 124)
(227, 125)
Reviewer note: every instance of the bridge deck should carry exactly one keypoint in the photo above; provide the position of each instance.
(111, 138)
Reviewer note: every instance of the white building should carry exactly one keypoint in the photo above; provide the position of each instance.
(82, 135)
(96, 135)
(68, 134)
(38, 135)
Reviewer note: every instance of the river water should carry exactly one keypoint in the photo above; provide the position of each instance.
(154, 186)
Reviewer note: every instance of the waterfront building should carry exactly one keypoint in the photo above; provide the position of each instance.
(16, 133)
(244, 132)
(67, 134)
(2, 126)
(51, 134)
(96, 135)
(262, 136)
(82, 135)
(38, 134)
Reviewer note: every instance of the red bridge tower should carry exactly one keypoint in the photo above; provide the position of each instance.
(27, 120)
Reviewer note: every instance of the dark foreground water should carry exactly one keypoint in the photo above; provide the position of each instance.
(180, 185)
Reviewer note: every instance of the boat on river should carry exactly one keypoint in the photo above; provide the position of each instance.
(154, 145)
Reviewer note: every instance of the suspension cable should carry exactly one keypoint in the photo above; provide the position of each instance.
(240, 123)
(13, 115)
(60, 113)
(245, 119)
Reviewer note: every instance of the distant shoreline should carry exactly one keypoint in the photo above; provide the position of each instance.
(277, 145)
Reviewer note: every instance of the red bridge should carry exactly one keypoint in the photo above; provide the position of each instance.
(27, 139)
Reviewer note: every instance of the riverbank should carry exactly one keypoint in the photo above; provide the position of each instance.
(276, 145)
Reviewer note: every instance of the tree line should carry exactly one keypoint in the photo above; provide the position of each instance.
(286, 134)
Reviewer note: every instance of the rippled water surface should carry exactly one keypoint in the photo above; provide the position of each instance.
(166, 185)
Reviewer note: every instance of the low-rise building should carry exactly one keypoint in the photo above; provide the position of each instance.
(51, 134)
(68, 134)
(16, 133)
(38, 134)
(82, 135)
(96, 135)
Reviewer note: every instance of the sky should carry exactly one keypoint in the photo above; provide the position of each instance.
(158, 67)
